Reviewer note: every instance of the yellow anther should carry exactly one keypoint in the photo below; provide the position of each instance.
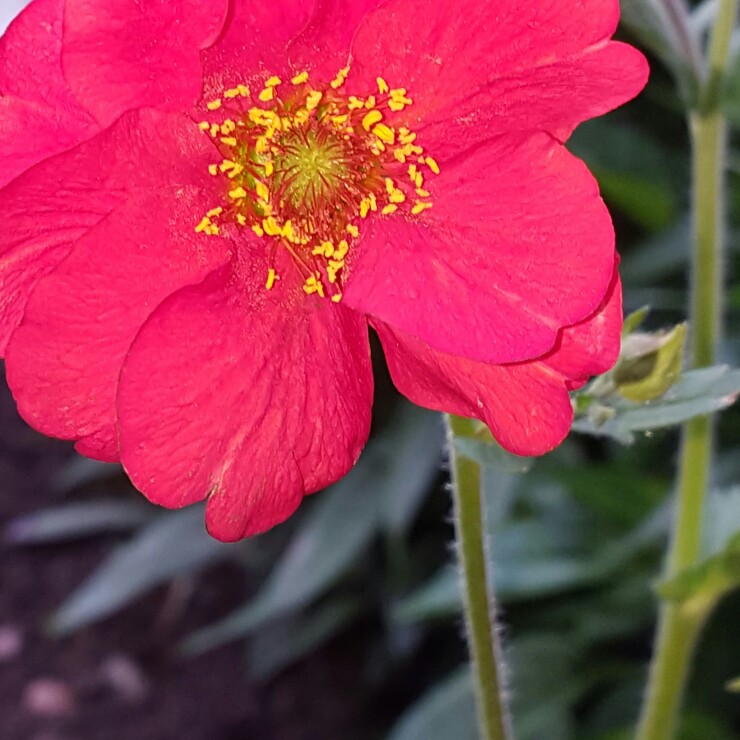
(267, 94)
(227, 165)
(405, 136)
(236, 171)
(313, 99)
(382, 86)
(273, 81)
(271, 278)
(419, 180)
(262, 190)
(390, 186)
(389, 209)
(364, 208)
(204, 225)
(243, 90)
(215, 130)
(299, 79)
(313, 285)
(325, 249)
(287, 230)
(422, 193)
(352, 230)
(228, 140)
(412, 172)
(385, 133)
(237, 193)
(396, 105)
(213, 169)
(371, 118)
(204, 125)
(258, 230)
(373, 202)
(355, 103)
(215, 212)
(231, 93)
(341, 251)
(338, 81)
(241, 219)
(420, 206)
(337, 297)
(270, 226)
(397, 196)
(269, 168)
(228, 126)
(214, 104)
(370, 102)
(432, 164)
(399, 155)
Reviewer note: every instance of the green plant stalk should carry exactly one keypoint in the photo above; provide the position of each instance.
(480, 612)
(679, 628)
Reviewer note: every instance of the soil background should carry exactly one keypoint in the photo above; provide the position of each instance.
(120, 680)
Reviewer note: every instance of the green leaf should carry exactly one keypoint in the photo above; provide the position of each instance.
(698, 392)
(700, 587)
(438, 598)
(332, 538)
(634, 321)
(410, 455)
(447, 712)
(63, 523)
(649, 364)
(282, 644)
(173, 544)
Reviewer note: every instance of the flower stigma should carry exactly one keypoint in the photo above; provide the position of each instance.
(304, 166)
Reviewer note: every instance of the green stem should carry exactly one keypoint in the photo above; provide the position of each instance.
(480, 614)
(679, 628)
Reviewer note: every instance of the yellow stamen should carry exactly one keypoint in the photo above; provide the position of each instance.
(271, 278)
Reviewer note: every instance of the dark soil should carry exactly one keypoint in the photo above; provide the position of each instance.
(120, 680)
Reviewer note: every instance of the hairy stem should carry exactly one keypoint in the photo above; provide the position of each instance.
(480, 611)
(679, 629)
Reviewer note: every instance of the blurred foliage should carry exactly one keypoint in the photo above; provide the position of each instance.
(577, 542)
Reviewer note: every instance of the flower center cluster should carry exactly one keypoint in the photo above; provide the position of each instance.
(304, 165)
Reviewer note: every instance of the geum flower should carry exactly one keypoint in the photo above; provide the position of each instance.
(187, 284)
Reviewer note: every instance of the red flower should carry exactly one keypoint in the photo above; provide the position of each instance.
(240, 188)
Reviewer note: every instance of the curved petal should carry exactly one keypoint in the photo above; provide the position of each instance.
(323, 47)
(47, 209)
(254, 42)
(592, 346)
(248, 397)
(517, 245)
(480, 70)
(125, 54)
(525, 405)
(64, 360)
(40, 117)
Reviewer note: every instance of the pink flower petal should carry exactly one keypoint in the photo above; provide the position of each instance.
(39, 115)
(526, 405)
(47, 209)
(323, 45)
(517, 244)
(125, 54)
(254, 42)
(248, 397)
(480, 70)
(64, 360)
